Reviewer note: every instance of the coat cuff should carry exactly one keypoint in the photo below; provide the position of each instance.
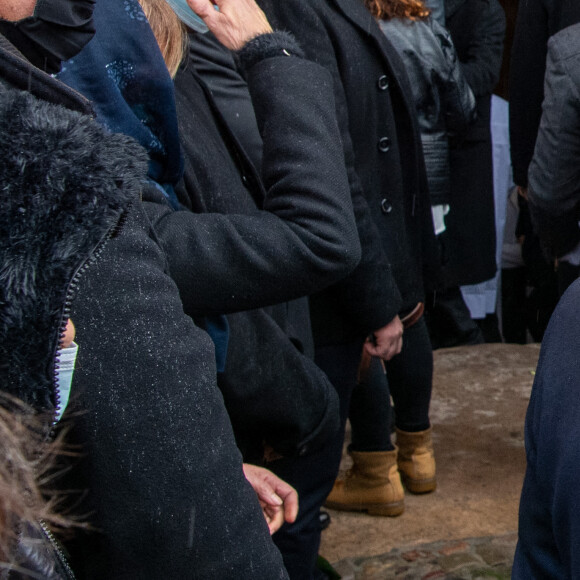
(278, 43)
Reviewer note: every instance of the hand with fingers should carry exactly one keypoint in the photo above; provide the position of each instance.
(278, 499)
(386, 342)
(234, 23)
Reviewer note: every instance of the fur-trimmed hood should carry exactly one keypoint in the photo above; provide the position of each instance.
(64, 184)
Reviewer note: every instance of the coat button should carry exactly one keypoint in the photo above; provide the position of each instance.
(384, 144)
(383, 82)
(386, 206)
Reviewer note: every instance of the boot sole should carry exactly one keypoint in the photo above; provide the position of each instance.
(389, 510)
(419, 487)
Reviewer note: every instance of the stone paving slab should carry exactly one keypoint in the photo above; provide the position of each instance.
(487, 558)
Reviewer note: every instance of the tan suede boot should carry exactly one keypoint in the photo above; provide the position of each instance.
(372, 484)
(416, 461)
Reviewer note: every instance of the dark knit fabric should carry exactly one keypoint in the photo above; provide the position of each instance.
(266, 46)
(549, 526)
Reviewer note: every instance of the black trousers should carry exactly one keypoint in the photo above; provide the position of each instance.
(408, 379)
(449, 320)
(313, 475)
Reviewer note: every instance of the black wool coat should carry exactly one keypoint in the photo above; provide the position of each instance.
(376, 113)
(274, 393)
(536, 22)
(300, 236)
(477, 28)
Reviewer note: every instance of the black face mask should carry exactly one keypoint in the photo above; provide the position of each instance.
(57, 31)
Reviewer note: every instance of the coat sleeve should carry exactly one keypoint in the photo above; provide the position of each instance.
(154, 432)
(369, 296)
(554, 174)
(528, 59)
(305, 239)
(459, 105)
(482, 62)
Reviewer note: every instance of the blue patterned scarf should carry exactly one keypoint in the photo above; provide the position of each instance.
(122, 72)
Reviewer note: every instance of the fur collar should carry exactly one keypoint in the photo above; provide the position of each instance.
(64, 183)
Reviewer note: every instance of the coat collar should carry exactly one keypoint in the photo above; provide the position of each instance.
(356, 12)
(17, 72)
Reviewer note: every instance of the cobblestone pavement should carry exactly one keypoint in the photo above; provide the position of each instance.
(469, 559)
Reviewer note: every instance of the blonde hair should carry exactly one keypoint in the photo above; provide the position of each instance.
(168, 30)
(387, 9)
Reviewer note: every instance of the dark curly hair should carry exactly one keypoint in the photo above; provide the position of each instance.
(387, 9)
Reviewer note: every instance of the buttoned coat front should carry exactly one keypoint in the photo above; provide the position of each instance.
(378, 127)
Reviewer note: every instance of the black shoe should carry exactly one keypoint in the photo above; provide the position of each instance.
(324, 519)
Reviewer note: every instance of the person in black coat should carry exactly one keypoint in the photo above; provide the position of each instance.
(76, 243)
(477, 29)
(273, 391)
(443, 103)
(163, 476)
(382, 148)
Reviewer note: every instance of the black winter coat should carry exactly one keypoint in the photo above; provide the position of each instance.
(165, 491)
(362, 302)
(477, 28)
(218, 67)
(537, 21)
(302, 239)
(273, 392)
(382, 146)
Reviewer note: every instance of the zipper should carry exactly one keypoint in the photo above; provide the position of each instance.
(112, 232)
(70, 293)
(56, 546)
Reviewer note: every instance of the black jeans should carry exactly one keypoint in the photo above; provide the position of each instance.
(408, 379)
(449, 320)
